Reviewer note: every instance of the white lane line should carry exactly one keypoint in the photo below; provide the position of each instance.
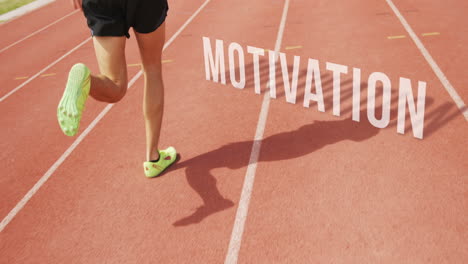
(243, 208)
(445, 82)
(37, 31)
(80, 138)
(43, 70)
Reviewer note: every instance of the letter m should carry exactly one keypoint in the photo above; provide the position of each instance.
(214, 67)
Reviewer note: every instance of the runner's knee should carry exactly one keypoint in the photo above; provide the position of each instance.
(121, 90)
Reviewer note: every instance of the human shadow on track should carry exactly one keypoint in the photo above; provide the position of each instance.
(286, 145)
(295, 143)
(282, 146)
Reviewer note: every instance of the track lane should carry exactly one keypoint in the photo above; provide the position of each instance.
(20, 27)
(24, 60)
(21, 63)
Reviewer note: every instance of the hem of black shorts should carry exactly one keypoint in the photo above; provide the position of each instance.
(154, 28)
(109, 35)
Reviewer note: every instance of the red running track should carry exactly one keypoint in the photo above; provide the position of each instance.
(326, 189)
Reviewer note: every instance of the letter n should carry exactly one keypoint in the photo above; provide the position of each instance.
(417, 116)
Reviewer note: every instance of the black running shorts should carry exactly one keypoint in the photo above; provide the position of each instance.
(115, 17)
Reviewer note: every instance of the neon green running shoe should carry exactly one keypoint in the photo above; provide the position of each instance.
(166, 158)
(71, 105)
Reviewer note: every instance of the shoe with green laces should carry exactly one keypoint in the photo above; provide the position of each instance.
(71, 105)
(166, 158)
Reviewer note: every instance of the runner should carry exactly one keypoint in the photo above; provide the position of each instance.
(110, 21)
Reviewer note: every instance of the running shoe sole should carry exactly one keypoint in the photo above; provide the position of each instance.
(71, 105)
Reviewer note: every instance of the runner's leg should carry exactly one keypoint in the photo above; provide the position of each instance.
(151, 45)
(111, 84)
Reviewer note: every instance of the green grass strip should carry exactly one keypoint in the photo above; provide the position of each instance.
(8, 5)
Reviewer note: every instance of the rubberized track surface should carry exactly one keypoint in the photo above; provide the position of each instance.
(326, 189)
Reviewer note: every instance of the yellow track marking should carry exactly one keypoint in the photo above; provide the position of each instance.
(293, 47)
(264, 50)
(21, 78)
(49, 74)
(396, 37)
(139, 64)
(430, 34)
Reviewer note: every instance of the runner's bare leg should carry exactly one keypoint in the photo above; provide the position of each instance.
(151, 46)
(111, 84)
